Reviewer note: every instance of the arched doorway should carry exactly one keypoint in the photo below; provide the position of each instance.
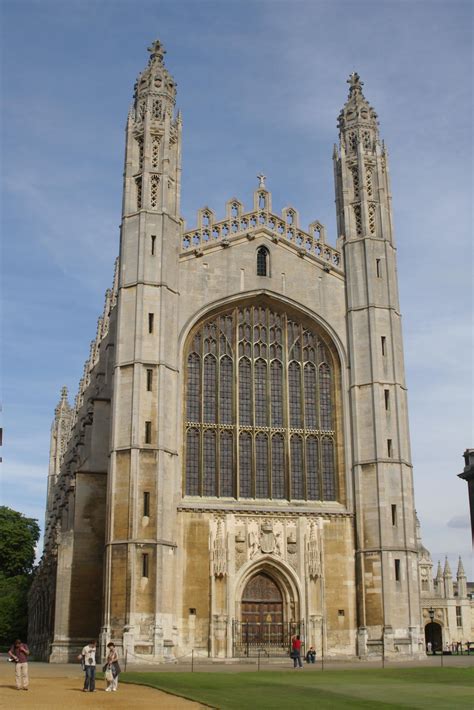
(433, 635)
(266, 622)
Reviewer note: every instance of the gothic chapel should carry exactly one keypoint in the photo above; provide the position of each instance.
(236, 467)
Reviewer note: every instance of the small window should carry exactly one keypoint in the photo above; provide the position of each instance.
(262, 261)
(397, 570)
(458, 617)
(151, 318)
(145, 564)
(394, 515)
(149, 380)
(192, 611)
(146, 504)
(153, 240)
(378, 268)
(386, 394)
(389, 448)
(340, 612)
(147, 432)
(383, 341)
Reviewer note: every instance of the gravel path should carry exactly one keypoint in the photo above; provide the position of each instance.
(60, 686)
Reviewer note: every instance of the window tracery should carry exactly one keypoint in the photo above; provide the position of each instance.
(259, 410)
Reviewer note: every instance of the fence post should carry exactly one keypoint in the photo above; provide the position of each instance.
(258, 660)
(125, 662)
(192, 661)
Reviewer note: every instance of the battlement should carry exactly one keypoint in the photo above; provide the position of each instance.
(237, 223)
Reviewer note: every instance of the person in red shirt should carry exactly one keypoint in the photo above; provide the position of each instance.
(19, 653)
(296, 652)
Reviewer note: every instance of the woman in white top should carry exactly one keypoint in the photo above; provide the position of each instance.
(112, 665)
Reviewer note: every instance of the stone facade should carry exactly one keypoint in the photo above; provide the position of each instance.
(450, 601)
(236, 467)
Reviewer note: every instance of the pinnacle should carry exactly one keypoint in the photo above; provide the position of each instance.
(460, 572)
(157, 50)
(447, 568)
(355, 84)
(439, 571)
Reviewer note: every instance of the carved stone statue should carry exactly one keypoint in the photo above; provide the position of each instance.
(314, 557)
(220, 552)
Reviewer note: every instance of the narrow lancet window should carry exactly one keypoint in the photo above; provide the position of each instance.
(263, 258)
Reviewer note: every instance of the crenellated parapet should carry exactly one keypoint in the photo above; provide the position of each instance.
(238, 223)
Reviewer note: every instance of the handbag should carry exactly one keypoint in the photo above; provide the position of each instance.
(109, 675)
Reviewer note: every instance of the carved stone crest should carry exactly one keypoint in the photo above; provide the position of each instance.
(266, 540)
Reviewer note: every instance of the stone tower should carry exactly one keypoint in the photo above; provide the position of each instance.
(140, 534)
(386, 556)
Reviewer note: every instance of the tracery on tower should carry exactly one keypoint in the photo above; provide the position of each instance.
(260, 417)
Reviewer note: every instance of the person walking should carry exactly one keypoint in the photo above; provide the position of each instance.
(19, 653)
(296, 652)
(112, 668)
(87, 657)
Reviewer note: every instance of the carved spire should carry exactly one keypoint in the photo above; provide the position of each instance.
(460, 572)
(357, 121)
(155, 79)
(461, 580)
(447, 569)
(439, 571)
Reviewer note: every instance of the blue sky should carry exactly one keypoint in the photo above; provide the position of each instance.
(260, 85)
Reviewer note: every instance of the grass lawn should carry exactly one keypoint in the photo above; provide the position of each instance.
(448, 688)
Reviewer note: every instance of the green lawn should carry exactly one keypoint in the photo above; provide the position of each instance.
(448, 688)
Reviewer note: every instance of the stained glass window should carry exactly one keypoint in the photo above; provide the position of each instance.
(278, 466)
(261, 466)
(277, 393)
(310, 401)
(193, 402)
(325, 396)
(209, 464)
(226, 464)
(259, 408)
(327, 461)
(260, 393)
(312, 466)
(209, 387)
(192, 462)
(245, 465)
(245, 392)
(225, 390)
(297, 475)
(294, 388)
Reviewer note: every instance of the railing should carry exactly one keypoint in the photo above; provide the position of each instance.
(252, 639)
(311, 242)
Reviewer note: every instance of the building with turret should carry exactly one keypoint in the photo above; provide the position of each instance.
(446, 603)
(236, 467)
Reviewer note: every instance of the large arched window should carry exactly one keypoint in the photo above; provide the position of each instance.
(259, 412)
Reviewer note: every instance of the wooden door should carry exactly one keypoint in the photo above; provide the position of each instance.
(262, 612)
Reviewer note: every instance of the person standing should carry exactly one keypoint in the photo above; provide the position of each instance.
(112, 665)
(87, 656)
(19, 653)
(296, 652)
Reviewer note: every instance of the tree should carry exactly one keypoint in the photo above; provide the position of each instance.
(18, 538)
